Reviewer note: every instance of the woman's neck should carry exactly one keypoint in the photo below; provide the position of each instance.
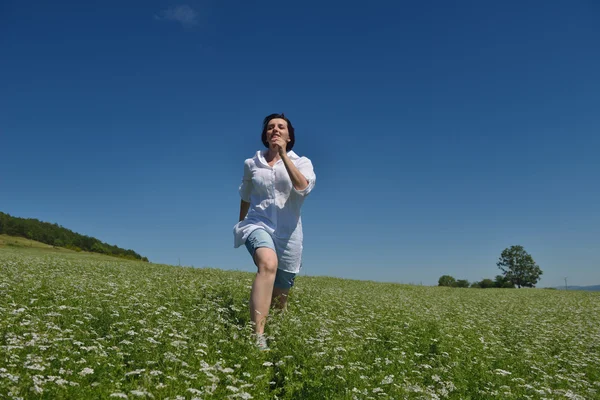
(272, 156)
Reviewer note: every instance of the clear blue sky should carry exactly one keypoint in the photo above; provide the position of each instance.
(441, 132)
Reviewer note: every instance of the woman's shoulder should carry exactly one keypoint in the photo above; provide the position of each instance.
(299, 159)
(254, 160)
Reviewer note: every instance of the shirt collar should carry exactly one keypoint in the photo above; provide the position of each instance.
(260, 154)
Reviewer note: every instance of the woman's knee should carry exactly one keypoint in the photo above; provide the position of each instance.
(266, 261)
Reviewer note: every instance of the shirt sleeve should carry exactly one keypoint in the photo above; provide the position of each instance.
(305, 167)
(246, 185)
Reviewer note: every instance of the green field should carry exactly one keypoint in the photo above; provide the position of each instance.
(82, 326)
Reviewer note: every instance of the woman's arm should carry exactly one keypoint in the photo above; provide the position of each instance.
(244, 207)
(245, 190)
(298, 180)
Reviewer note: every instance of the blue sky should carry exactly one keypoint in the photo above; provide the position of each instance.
(441, 132)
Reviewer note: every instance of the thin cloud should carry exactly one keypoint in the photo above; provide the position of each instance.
(184, 14)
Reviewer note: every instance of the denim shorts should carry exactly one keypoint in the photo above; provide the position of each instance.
(260, 238)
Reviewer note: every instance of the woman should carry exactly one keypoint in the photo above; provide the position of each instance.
(276, 181)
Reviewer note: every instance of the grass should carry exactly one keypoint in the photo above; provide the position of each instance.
(75, 325)
(19, 242)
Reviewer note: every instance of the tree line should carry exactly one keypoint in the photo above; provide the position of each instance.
(499, 282)
(518, 270)
(56, 235)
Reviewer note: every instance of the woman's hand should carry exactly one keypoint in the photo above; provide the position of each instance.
(280, 144)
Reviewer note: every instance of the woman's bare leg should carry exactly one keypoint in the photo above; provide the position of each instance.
(262, 288)
(280, 298)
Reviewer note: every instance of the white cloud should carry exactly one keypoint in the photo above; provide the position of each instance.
(184, 14)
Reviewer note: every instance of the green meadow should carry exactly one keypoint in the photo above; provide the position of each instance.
(82, 326)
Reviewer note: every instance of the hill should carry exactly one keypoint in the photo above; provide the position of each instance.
(58, 236)
(31, 247)
(100, 327)
(19, 242)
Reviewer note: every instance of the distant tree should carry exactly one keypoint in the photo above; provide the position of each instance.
(487, 283)
(462, 283)
(499, 281)
(98, 248)
(476, 285)
(519, 267)
(446, 280)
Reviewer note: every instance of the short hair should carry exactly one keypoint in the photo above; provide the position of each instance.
(266, 121)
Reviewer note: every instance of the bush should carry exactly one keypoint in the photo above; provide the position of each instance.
(462, 283)
(446, 280)
(487, 283)
(508, 285)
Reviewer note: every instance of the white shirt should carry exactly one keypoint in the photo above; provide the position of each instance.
(275, 206)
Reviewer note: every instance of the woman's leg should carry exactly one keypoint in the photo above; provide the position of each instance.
(284, 281)
(280, 297)
(262, 288)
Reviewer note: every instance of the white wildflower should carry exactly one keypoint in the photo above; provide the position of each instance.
(141, 393)
(37, 389)
(86, 371)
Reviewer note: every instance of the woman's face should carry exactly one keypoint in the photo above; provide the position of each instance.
(277, 127)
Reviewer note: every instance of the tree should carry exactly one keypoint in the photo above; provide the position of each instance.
(486, 283)
(502, 282)
(462, 283)
(518, 267)
(446, 280)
